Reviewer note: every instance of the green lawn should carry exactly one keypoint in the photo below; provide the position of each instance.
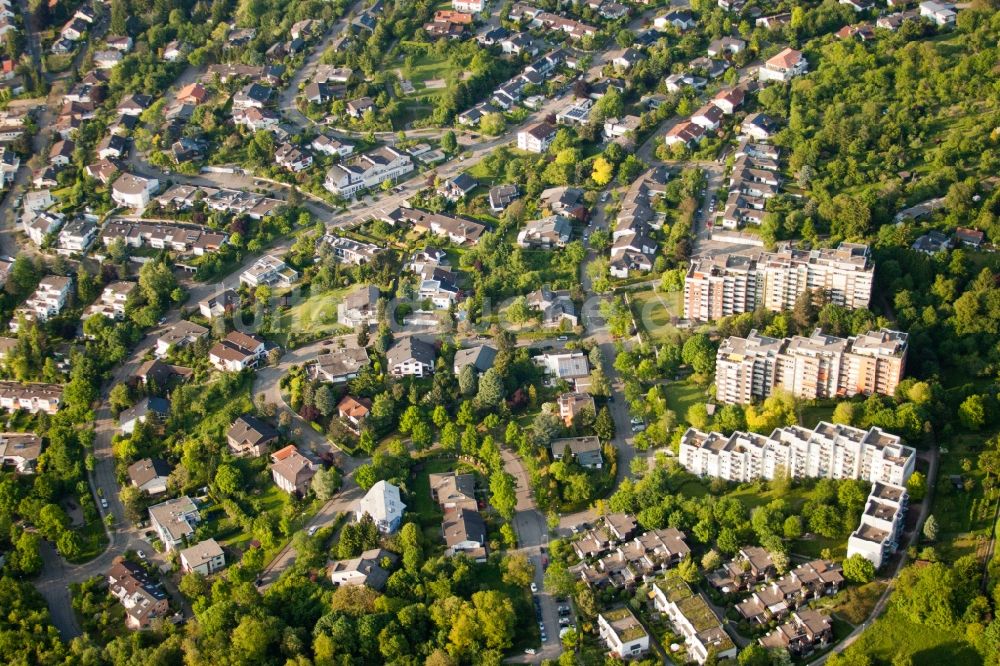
(681, 395)
(810, 415)
(93, 541)
(653, 311)
(429, 66)
(313, 318)
(893, 635)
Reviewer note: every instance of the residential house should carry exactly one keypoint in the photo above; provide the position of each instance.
(621, 129)
(293, 473)
(624, 635)
(150, 475)
(354, 411)
(686, 133)
(76, 236)
(205, 557)
(174, 521)
(783, 67)
(61, 153)
(40, 227)
(356, 108)
(252, 95)
(370, 169)
(453, 491)
(249, 436)
(971, 238)
(382, 502)
(237, 351)
(806, 582)
(564, 365)
(150, 410)
(155, 375)
(219, 305)
(292, 158)
(458, 230)
(941, 13)
(410, 356)
(751, 567)
(537, 138)
(573, 404)
(806, 631)
(625, 60)
(143, 598)
(339, 365)
(759, 126)
(464, 532)
(585, 451)
(133, 191)
(20, 450)
(331, 146)
(568, 201)
(47, 301)
(480, 358)
(708, 117)
(729, 99)
(726, 46)
(680, 19)
(271, 271)
(363, 570)
(180, 334)
(103, 170)
(134, 105)
(502, 196)
(360, 307)
(350, 251)
(112, 302)
(32, 397)
(548, 232)
(692, 618)
(457, 188)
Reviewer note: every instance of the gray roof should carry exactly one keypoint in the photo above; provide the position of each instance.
(410, 347)
(481, 358)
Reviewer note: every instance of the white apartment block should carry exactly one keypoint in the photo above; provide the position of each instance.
(112, 301)
(829, 451)
(818, 366)
(368, 170)
(725, 285)
(48, 301)
(783, 67)
(877, 537)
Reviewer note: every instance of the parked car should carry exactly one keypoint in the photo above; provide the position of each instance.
(534, 587)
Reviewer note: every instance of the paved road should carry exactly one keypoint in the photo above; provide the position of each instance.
(532, 534)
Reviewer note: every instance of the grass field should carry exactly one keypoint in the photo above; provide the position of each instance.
(810, 415)
(313, 318)
(962, 514)
(893, 636)
(432, 67)
(653, 311)
(681, 395)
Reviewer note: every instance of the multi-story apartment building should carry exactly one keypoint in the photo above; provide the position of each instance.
(818, 366)
(48, 301)
(881, 524)
(622, 633)
(829, 451)
(368, 170)
(720, 286)
(112, 302)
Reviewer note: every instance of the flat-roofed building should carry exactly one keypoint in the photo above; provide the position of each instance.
(813, 367)
(829, 451)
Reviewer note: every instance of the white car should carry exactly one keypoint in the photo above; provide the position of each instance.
(313, 529)
(141, 555)
(534, 587)
(104, 502)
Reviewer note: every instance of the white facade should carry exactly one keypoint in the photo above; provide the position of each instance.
(783, 67)
(382, 502)
(205, 557)
(368, 170)
(537, 138)
(829, 451)
(623, 633)
(133, 191)
(877, 537)
(46, 302)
